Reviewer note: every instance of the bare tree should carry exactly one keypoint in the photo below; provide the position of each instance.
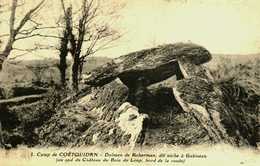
(89, 31)
(18, 33)
(64, 42)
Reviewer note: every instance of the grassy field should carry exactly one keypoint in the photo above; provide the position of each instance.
(241, 69)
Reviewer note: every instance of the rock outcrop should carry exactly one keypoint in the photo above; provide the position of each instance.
(163, 95)
(194, 92)
(176, 92)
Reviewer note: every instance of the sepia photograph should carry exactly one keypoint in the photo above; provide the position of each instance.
(129, 82)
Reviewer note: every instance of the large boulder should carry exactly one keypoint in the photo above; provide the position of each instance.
(105, 100)
(227, 121)
(125, 129)
(101, 116)
(154, 64)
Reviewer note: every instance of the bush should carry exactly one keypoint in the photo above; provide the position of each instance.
(20, 122)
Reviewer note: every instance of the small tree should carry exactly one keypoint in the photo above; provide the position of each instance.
(90, 31)
(19, 32)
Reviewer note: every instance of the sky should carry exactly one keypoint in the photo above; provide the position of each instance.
(221, 26)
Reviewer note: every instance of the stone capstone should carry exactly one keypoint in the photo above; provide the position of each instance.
(153, 64)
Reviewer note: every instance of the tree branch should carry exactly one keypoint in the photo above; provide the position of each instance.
(27, 17)
(4, 35)
(37, 35)
(37, 47)
(12, 19)
(63, 7)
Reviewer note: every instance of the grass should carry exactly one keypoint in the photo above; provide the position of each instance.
(246, 75)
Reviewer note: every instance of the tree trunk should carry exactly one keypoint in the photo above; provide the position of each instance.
(81, 69)
(1, 136)
(63, 55)
(1, 61)
(5, 53)
(75, 73)
(63, 68)
(9, 46)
